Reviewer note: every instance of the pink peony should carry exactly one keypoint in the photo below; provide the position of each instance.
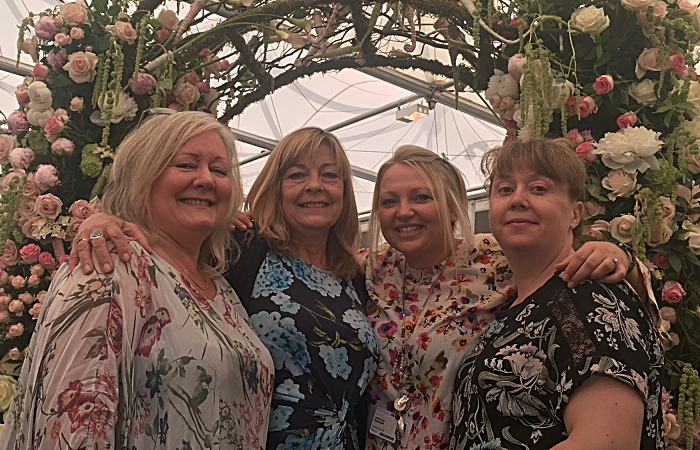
(585, 151)
(45, 28)
(162, 35)
(77, 33)
(144, 85)
(62, 147)
(57, 59)
(677, 63)
(46, 177)
(54, 125)
(672, 292)
(21, 158)
(660, 260)
(30, 253)
(76, 104)
(49, 207)
(603, 84)
(587, 106)
(575, 138)
(40, 71)
(17, 123)
(515, 66)
(628, 119)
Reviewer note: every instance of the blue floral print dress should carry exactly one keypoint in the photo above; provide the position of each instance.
(322, 343)
(138, 360)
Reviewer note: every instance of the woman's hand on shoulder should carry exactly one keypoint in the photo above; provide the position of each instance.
(595, 260)
(94, 234)
(242, 222)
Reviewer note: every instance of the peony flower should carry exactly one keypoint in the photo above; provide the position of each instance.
(76, 104)
(7, 144)
(637, 5)
(40, 96)
(628, 119)
(81, 66)
(57, 59)
(49, 207)
(516, 65)
(75, 13)
(123, 30)
(21, 158)
(168, 19)
(505, 86)
(630, 149)
(595, 229)
(40, 71)
(672, 292)
(77, 33)
(649, 59)
(30, 253)
(144, 84)
(185, 93)
(620, 183)
(38, 117)
(125, 109)
(586, 107)
(61, 40)
(54, 125)
(590, 20)
(45, 28)
(46, 177)
(621, 228)
(17, 123)
(603, 84)
(62, 147)
(10, 255)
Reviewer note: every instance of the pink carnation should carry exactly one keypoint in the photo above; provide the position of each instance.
(17, 123)
(46, 260)
(46, 177)
(628, 119)
(672, 292)
(145, 84)
(603, 84)
(677, 63)
(30, 253)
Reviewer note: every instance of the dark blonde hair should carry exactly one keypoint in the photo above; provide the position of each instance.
(265, 200)
(450, 192)
(142, 157)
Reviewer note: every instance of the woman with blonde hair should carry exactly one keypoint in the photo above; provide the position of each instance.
(159, 353)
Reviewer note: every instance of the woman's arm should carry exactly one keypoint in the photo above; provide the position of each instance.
(603, 414)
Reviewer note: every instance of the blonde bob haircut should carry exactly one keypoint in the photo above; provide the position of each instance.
(265, 200)
(143, 156)
(446, 184)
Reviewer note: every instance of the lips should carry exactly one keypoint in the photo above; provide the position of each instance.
(518, 221)
(314, 205)
(196, 202)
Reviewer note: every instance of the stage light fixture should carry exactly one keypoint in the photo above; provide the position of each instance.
(412, 113)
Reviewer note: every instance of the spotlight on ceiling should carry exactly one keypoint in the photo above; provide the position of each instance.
(412, 113)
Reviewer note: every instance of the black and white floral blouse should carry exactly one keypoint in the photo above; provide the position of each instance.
(511, 391)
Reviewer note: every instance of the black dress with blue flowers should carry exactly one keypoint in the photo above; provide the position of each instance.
(322, 344)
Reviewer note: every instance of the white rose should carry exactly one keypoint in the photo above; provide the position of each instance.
(644, 92)
(7, 391)
(168, 19)
(620, 183)
(693, 236)
(621, 228)
(40, 96)
(590, 20)
(637, 5)
(39, 118)
(693, 97)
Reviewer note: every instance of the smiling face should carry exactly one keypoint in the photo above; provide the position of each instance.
(191, 197)
(529, 213)
(409, 217)
(312, 195)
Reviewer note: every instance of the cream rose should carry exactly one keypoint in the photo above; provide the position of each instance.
(661, 236)
(10, 255)
(590, 20)
(595, 230)
(644, 92)
(620, 183)
(168, 19)
(48, 206)
(123, 30)
(649, 59)
(185, 93)
(591, 209)
(81, 66)
(621, 228)
(7, 144)
(7, 391)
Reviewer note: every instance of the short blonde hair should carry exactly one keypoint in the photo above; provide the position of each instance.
(265, 200)
(142, 157)
(448, 187)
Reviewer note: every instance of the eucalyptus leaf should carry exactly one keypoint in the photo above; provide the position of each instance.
(637, 230)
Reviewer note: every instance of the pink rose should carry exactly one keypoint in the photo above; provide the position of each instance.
(205, 52)
(30, 253)
(14, 354)
(596, 228)
(123, 30)
(45, 28)
(46, 177)
(49, 207)
(26, 210)
(18, 282)
(203, 87)
(26, 298)
(81, 66)
(603, 84)
(628, 119)
(4, 276)
(54, 125)
(672, 292)
(213, 67)
(162, 35)
(669, 314)
(46, 260)
(33, 281)
(192, 78)
(41, 296)
(38, 270)
(17, 123)
(686, 5)
(660, 9)
(73, 227)
(587, 106)
(74, 13)
(32, 227)
(62, 39)
(575, 138)
(30, 189)
(584, 151)
(225, 65)
(185, 93)
(144, 84)
(7, 144)
(77, 33)
(15, 330)
(168, 19)
(22, 95)
(40, 71)
(4, 318)
(62, 147)
(57, 59)
(677, 63)
(16, 306)
(80, 209)
(76, 104)
(649, 59)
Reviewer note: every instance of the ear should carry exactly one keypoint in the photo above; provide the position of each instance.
(577, 214)
(453, 217)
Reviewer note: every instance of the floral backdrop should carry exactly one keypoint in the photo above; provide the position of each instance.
(617, 78)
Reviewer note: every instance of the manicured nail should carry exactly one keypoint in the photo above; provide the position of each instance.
(564, 276)
(106, 267)
(570, 285)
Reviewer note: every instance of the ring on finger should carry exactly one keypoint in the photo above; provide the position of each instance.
(614, 260)
(96, 234)
(80, 240)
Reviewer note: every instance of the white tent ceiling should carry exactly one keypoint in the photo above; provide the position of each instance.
(325, 100)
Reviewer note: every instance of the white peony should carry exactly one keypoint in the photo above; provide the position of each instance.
(38, 118)
(590, 20)
(644, 92)
(630, 149)
(503, 85)
(125, 109)
(40, 96)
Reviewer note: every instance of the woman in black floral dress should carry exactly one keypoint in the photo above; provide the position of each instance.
(559, 368)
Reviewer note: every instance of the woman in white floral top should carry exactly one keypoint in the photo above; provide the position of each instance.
(432, 294)
(159, 354)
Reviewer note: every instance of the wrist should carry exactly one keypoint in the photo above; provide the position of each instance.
(628, 250)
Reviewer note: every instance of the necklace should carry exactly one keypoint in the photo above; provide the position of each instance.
(400, 363)
(206, 286)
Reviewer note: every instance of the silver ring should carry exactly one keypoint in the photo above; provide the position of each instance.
(96, 234)
(614, 260)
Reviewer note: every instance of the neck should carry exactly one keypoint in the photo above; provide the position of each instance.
(185, 255)
(532, 269)
(312, 250)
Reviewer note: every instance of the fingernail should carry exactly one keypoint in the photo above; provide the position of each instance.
(106, 267)
(570, 285)
(125, 256)
(86, 268)
(564, 276)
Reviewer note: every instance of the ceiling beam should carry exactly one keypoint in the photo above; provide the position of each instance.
(10, 65)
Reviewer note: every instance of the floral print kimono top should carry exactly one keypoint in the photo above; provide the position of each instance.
(460, 296)
(138, 360)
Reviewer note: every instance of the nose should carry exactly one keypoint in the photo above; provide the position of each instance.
(204, 178)
(313, 183)
(404, 210)
(519, 198)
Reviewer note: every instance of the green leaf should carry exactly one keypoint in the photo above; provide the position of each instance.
(651, 214)
(684, 105)
(591, 54)
(675, 262)
(663, 109)
(637, 231)
(603, 59)
(100, 6)
(596, 192)
(599, 51)
(669, 116)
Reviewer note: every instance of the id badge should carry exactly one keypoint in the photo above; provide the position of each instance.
(384, 425)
